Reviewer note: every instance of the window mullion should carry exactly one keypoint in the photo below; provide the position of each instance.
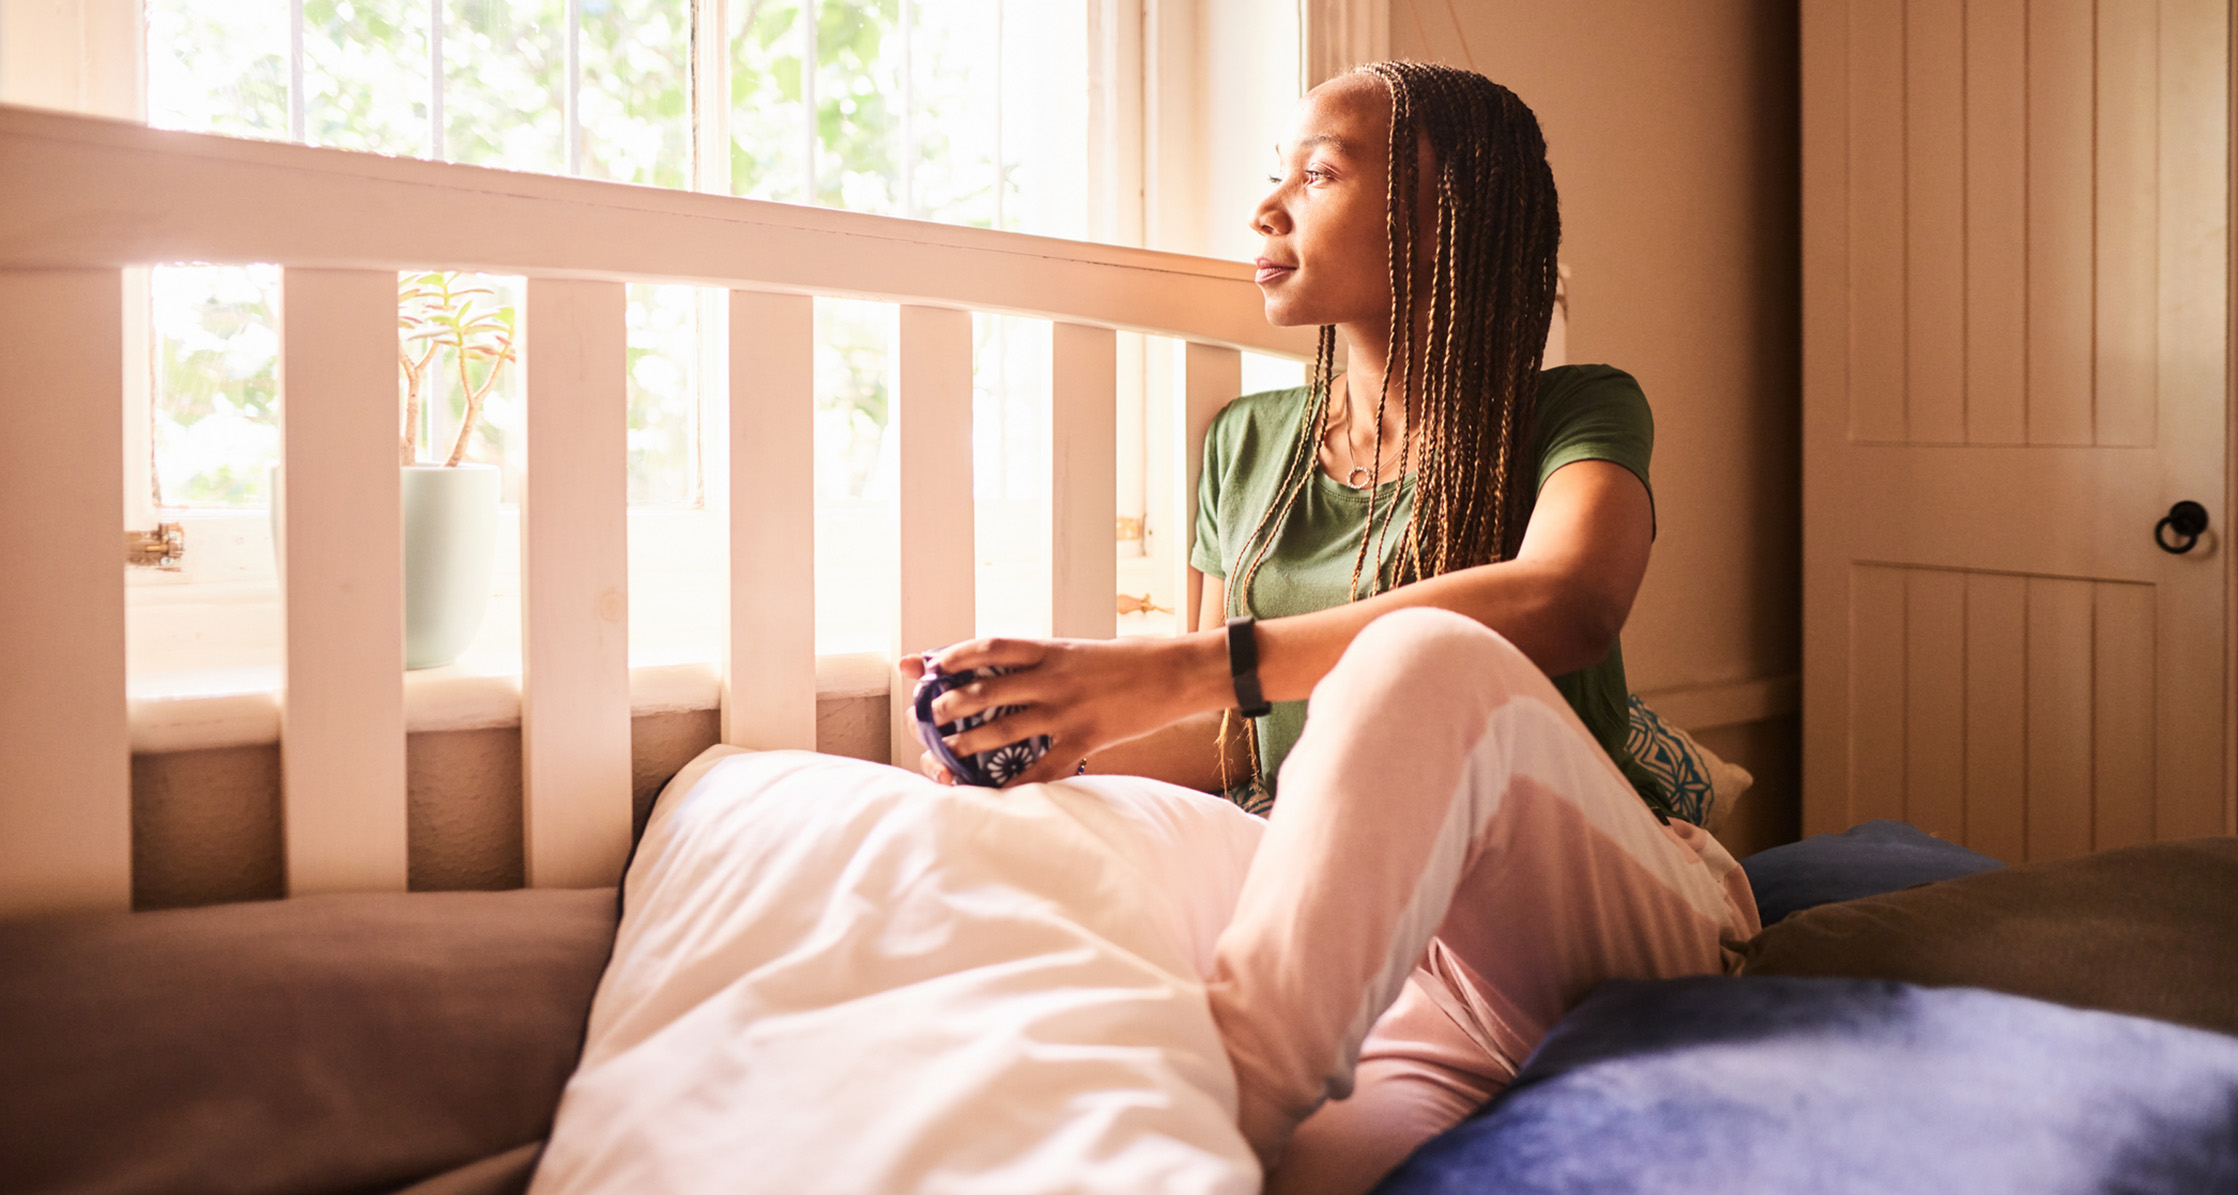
(710, 120)
(573, 106)
(295, 71)
(710, 96)
(908, 109)
(1002, 172)
(808, 57)
(435, 80)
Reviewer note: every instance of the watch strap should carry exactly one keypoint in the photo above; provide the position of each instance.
(1243, 668)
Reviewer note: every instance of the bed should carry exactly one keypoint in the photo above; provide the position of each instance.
(2051, 1027)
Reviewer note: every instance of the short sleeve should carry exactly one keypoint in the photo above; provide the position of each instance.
(1206, 553)
(1595, 413)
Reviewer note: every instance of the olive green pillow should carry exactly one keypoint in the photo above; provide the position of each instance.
(2148, 930)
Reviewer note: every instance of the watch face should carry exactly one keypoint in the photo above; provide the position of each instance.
(987, 769)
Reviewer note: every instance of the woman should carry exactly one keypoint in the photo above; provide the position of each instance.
(1454, 854)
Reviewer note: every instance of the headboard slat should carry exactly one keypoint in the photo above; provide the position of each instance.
(65, 776)
(1084, 481)
(932, 417)
(769, 649)
(341, 582)
(575, 728)
(1211, 375)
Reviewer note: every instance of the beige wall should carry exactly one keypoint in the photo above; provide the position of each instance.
(1674, 137)
(206, 824)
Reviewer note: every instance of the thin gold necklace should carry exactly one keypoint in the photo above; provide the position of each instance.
(1359, 476)
(1353, 477)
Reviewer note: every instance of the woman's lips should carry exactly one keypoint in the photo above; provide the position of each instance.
(1272, 271)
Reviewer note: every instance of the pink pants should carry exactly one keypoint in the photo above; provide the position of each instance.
(1452, 865)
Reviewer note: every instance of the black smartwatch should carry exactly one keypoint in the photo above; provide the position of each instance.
(1243, 668)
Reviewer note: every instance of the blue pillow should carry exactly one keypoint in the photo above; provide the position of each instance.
(1865, 860)
(1842, 1086)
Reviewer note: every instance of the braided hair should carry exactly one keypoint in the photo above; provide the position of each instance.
(1490, 296)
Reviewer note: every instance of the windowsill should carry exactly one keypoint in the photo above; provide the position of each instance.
(241, 707)
(205, 646)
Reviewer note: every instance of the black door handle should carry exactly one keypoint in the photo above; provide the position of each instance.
(2187, 519)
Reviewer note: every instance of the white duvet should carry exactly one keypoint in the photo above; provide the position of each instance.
(838, 976)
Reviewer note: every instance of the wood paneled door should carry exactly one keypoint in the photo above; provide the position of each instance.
(2016, 286)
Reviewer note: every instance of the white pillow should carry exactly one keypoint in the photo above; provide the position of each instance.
(838, 976)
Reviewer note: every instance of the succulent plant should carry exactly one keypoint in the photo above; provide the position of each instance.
(434, 315)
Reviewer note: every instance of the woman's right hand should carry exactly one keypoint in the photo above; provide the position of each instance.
(1086, 695)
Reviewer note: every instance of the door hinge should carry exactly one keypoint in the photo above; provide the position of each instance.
(161, 548)
(1130, 529)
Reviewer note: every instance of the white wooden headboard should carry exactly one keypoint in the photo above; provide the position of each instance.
(82, 198)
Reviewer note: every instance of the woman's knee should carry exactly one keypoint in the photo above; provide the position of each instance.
(1417, 644)
(1421, 674)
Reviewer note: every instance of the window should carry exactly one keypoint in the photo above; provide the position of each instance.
(898, 115)
(901, 107)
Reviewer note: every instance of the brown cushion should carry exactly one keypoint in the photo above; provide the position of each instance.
(507, 1173)
(2149, 930)
(326, 1043)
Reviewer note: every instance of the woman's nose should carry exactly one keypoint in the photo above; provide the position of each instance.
(1268, 219)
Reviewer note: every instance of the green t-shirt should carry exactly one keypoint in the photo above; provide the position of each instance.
(1586, 412)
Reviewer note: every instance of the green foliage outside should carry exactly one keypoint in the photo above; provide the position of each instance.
(216, 370)
(223, 67)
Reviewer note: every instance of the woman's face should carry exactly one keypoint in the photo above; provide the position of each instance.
(1324, 253)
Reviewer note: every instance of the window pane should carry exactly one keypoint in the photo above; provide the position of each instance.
(365, 75)
(219, 68)
(663, 395)
(1010, 473)
(768, 135)
(858, 105)
(956, 123)
(505, 83)
(1044, 95)
(855, 520)
(1261, 372)
(635, 98)
(216, 383)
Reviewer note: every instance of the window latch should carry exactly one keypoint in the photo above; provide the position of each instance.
(161, 548)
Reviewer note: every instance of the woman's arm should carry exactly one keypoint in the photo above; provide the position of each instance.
(1562, 600)
(1186, 752)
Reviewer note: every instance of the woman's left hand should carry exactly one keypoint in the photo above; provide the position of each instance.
(1085, 694)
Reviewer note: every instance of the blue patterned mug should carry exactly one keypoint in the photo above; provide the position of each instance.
(987, 769)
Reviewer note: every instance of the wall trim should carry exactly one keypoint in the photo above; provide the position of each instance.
(1728, 703)
(1337, 35)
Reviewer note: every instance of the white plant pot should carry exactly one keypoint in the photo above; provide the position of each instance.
(450, 548)
(450, 551)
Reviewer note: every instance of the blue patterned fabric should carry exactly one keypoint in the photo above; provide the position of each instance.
(1674, 764)
(987, 769)
(1844, 1087)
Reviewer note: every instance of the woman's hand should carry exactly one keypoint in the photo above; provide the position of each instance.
(1085, 694)
(913, 667)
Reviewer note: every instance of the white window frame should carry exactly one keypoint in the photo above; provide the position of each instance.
(108, 31)
(1153, 67)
